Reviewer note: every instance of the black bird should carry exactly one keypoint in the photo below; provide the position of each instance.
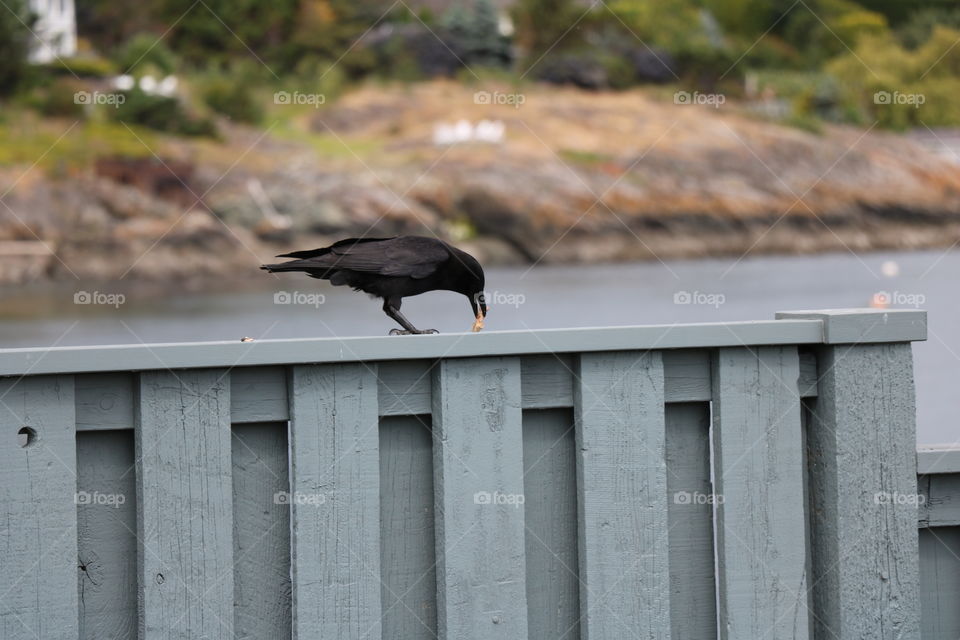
(392, 269)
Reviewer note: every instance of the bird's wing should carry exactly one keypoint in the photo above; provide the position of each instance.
(408, 256)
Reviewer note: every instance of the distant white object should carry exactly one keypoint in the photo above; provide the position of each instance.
(489, 131)
(890, 269)
(148, 84)
(167, 86)
(54, 32)
(123, 83)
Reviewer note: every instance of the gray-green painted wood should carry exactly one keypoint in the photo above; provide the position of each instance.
(550, 513)
(478, 479)
(258, 394)
(261, 531)
(693, 610)
(622, 485)
(861, 441)
(940, 583)
(104, 401)
(184, 505)
(404, 388)
(856, 326)
(939, 504)
(38, 517)
(107, 535)
(546, 381)
(945, 459)
(335, 504)
(408, 593)
(757, 445)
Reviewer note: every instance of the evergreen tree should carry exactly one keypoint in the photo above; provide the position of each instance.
(14, 45)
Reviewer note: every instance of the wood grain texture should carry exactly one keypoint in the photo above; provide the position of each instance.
(407, 548)
(757, 443)
(261, 532)
(940, 583)
(478, 478)
(940, 502)
(861, 442)
(550, 512)
(104, 401)
(693, 610)
(622, 485)
(107, 535)
(857, 326)
(404, 388)
(258, 394)
(546, 381)
(185, 505)
(38, 517)
(335, 505)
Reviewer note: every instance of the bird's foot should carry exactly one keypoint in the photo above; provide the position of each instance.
(404, 332)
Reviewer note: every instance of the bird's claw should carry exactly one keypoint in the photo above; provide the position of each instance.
(403, 332)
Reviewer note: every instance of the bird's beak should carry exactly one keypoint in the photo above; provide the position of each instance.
(478, 323)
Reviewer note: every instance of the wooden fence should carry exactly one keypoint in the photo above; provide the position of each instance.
(735, 480)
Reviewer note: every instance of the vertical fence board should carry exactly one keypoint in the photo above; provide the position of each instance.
(693, 609)
(478, 461)
(619, 405)
(407, 549)
(38, 517)
(107, 534)
(335, 503)
(940, 583)
(184, 503)
(759, 479)
(550, 510)
(861, 439)
(261, 531)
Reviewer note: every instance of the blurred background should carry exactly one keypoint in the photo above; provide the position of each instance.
(611, 162)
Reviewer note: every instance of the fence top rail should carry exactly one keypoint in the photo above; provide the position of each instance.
(794, 328)
(938, 459)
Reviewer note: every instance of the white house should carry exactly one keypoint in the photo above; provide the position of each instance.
(55, 30)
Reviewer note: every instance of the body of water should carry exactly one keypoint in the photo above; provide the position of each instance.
(292, 305)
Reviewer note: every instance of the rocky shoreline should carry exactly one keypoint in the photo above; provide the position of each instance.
(578, 177)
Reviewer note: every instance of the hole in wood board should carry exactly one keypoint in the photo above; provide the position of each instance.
(26, 437)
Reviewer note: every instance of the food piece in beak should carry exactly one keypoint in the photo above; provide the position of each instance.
(478, 323)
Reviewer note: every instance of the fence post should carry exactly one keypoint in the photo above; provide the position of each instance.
(862, 470)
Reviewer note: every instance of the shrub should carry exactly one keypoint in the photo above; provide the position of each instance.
(233, 99)
(161, 113)
(14, 46)
(144, 52)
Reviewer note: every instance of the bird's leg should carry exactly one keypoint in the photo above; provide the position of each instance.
(394, 312)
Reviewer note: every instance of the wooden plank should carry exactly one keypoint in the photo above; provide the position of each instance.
(859, 440)
(107, 535)
(857, 326)
(258, 394)
(550, 512)
(405, 388)
(478, 477)
(808, 374)
(408, 593)
(622, 485)
(939, 503)
(450, 345)
(184, 504)
(104, 401)
(335, 502)
(938, 460)
(261, 531)
(686, 374)
(940, 583)
(759, 482)
(693, 612)
(546, 382)
(38, 517)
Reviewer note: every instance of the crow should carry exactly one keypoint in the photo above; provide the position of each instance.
(392, 269)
